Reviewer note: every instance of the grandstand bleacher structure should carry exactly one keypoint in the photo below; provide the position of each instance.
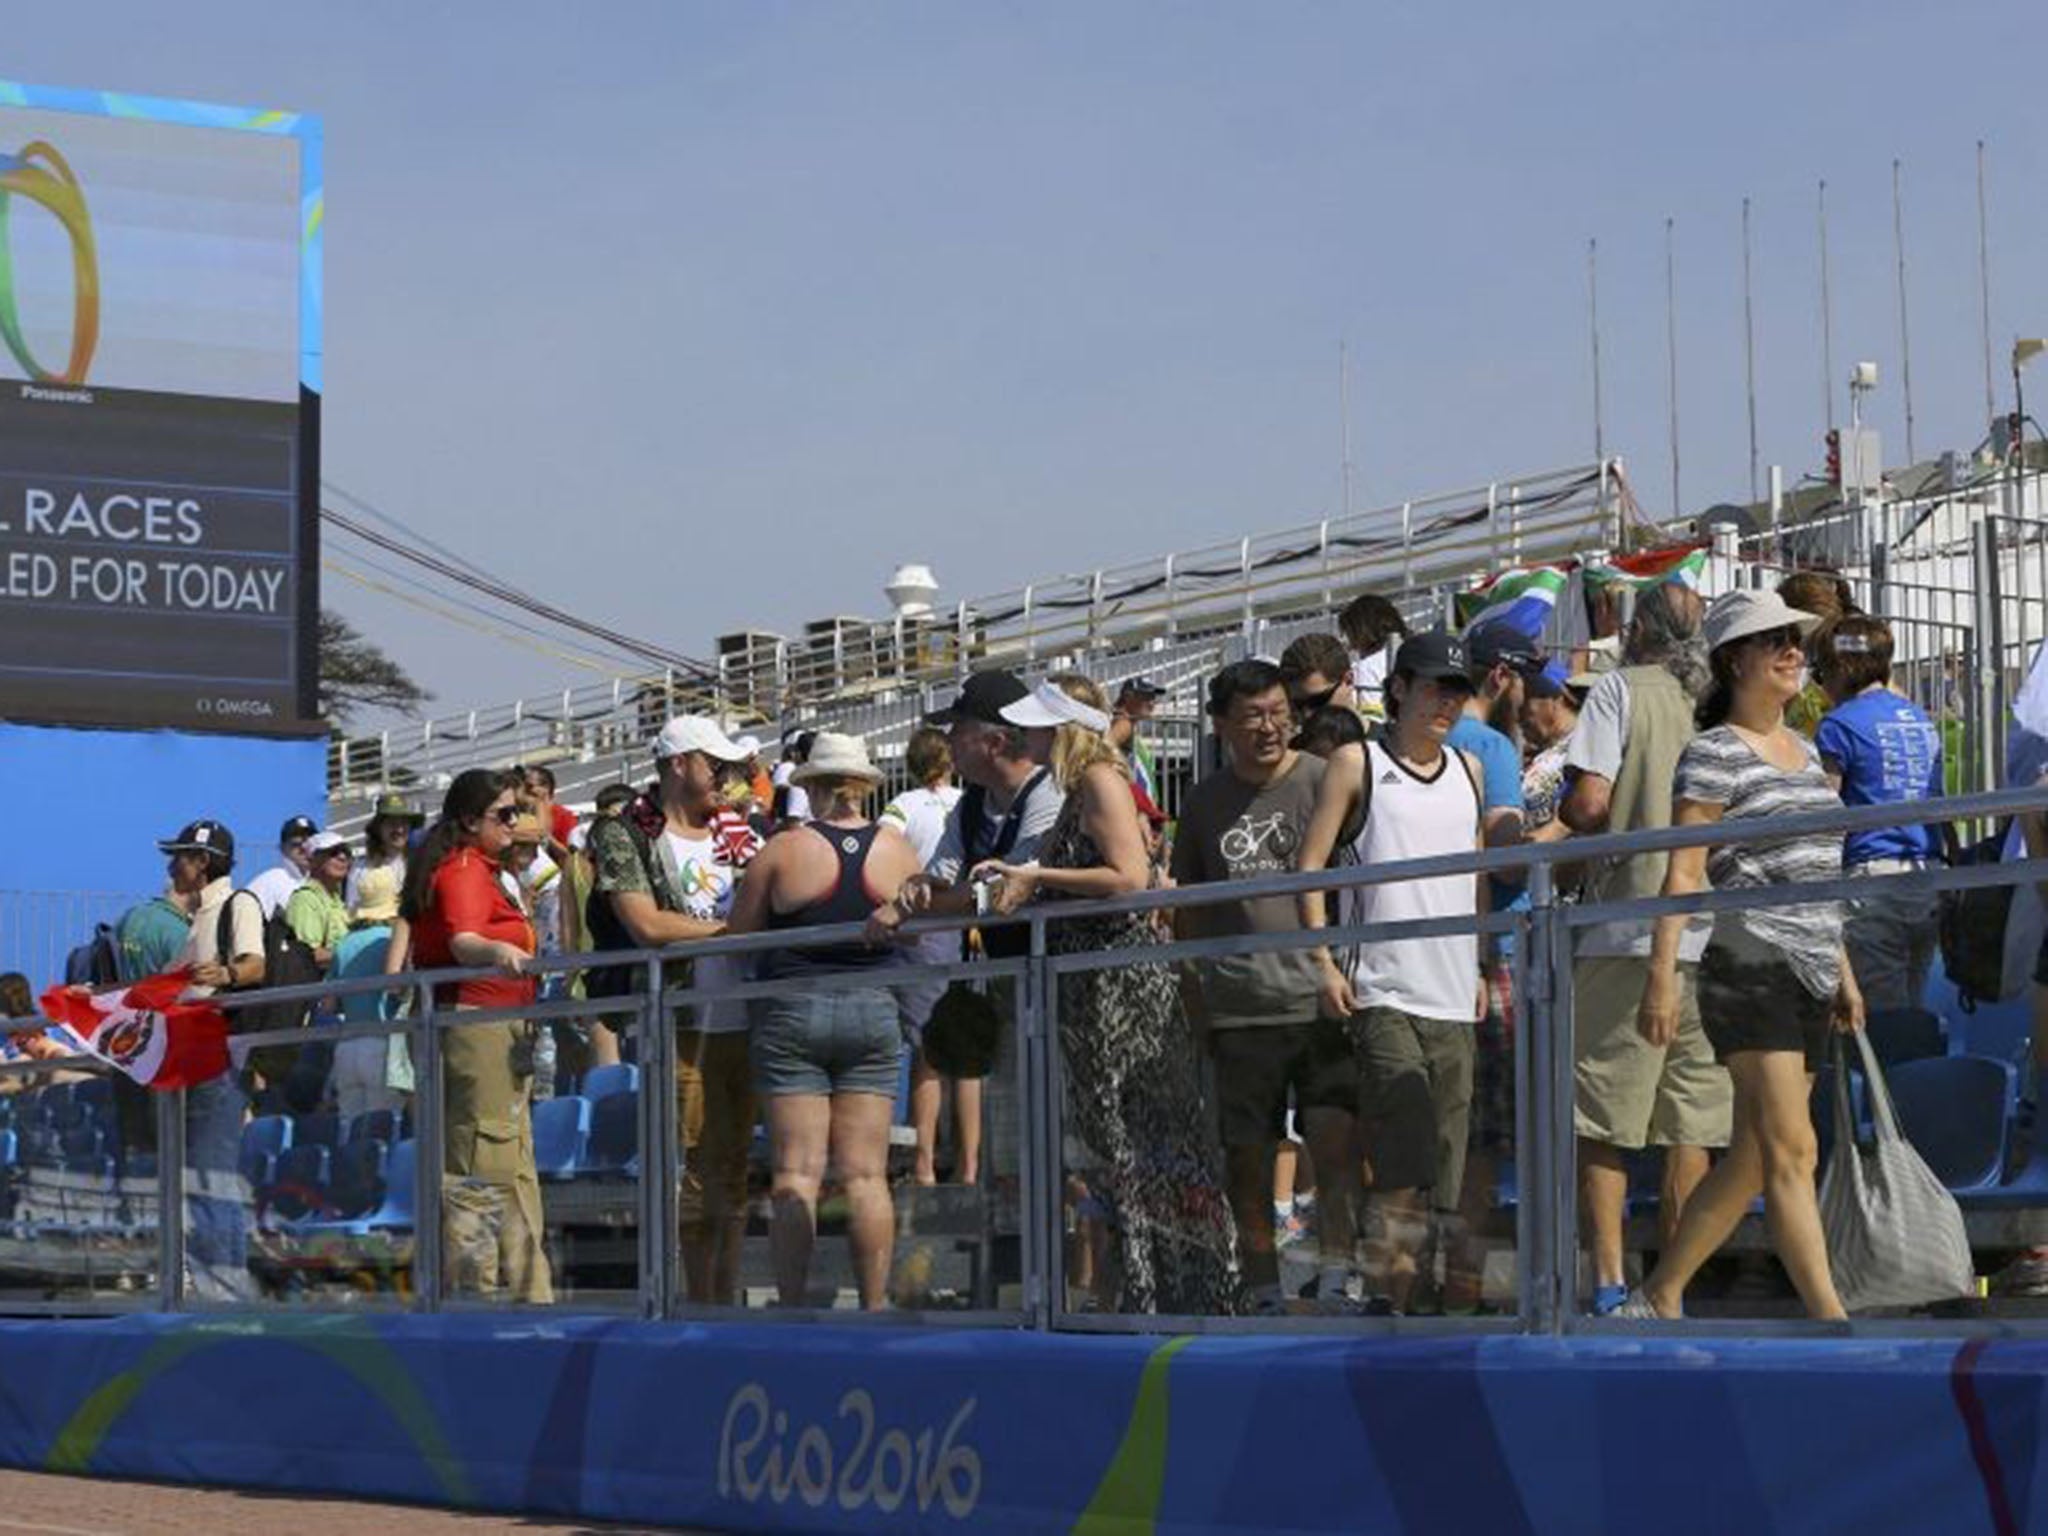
(1960, 566)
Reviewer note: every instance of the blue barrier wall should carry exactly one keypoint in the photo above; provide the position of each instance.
(88, 806)
(752, 1428)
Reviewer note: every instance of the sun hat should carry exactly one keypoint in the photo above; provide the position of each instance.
(392, 807)
(696, 733)
(1051, 705)
(325, 843)
(1737, 615)
(834, 756)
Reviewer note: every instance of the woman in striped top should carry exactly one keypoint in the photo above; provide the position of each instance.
(1774, 981)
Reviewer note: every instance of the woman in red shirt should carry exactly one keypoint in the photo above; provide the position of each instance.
(461, 915)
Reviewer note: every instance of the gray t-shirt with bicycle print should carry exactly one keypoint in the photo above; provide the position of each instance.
(1231, 830)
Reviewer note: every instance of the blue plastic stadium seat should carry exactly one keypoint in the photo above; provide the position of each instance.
(1956, 1110)
(603, 1082)
(392, 1197)
(82, 1143)
(1906, 1034)
(97, 1165)
(10, 1148)
(358, 1183)
(94, 1098)
(561, 1133)
(614, 1135)
(262, 1140)
(300, 1187)
(1999, 1030)
(316, 1131)
(374, 1125)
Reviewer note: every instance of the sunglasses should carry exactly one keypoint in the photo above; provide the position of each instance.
(505, 815)
(1784, 638)
(338, 853)
(1305, 703)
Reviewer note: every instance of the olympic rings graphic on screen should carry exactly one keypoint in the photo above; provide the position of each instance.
(41, 175)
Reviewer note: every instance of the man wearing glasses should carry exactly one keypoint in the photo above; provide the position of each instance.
(1260, 1013)
(275, 885)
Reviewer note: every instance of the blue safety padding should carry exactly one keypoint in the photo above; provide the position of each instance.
(751, 1427)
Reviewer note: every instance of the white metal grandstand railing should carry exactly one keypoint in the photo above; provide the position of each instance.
(874, 677)
(1544, 1220)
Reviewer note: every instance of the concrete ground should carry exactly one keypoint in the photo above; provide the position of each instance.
(41, 1504)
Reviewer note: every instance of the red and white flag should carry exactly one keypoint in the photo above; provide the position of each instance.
(146, 1032)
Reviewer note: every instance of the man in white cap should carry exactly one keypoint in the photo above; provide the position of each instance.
(664, 876)
(1010, 803)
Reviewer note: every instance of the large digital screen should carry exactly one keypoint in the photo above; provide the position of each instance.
(159, 413)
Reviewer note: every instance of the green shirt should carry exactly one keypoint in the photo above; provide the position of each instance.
(151, 936)
(316, 916)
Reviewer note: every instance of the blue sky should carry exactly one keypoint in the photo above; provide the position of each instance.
(694, 317)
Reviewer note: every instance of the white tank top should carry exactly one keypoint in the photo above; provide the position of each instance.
(1409, 817)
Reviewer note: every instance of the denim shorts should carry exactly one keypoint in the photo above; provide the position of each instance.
(846, 1041)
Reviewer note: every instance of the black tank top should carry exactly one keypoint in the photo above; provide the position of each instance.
(847, 902)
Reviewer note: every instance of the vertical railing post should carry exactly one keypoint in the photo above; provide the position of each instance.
(1040, 1183)
(170, 1185)
(661, 1170)
(1407, 545)
(1244, 571)
(429, 1104)
(1990, 659)
(1323, 551)
(1548, 1016)
(1172, 616)
(1493, 524)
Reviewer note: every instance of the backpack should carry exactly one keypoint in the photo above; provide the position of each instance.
(301, 1071)
(1973, 926)
(96, 962)
(605, 929)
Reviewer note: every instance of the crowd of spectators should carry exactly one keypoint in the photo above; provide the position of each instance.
(1358, 1098)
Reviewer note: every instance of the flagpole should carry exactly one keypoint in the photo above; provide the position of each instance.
(1749, 353)
(1984, 283)
(1905, 336)
(1671, 348)
(1827, 318)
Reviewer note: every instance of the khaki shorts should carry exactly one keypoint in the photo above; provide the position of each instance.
(1415, 1100)
(1631, 1094)
(715, 1114)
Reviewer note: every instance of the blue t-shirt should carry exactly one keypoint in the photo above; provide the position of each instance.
(1500, 787)
(1888, 753)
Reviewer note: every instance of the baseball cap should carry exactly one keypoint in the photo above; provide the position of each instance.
(1737, 615)
(1434, 654)
(327, 842)
(295, 828)
(983, 697)
(1497, 645)
(201, 837)
(1550, 681)
(695, 733)
(1144, 688)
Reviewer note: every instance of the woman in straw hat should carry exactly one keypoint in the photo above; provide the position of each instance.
(1132, 1095)
(827, 1054)
(1774, 980)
